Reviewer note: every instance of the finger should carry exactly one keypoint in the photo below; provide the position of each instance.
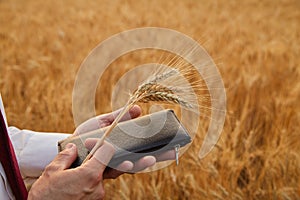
(101, 157)
(168, 155)
(64, 159)
(143, 163)
(89, 125)
(134, 112)
(107, 119)
(124, 167)
(90, 143)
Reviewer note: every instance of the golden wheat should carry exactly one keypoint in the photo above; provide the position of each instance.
(254, 42)
(149, 91)
(159, 93)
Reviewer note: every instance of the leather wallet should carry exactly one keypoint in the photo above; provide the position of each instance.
(133, 139)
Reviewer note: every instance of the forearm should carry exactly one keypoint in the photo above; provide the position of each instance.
(34, 150)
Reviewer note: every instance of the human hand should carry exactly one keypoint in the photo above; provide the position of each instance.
(83, 182)
(127, 166)
(106, 120)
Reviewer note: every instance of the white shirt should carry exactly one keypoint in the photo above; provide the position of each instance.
(34, 151)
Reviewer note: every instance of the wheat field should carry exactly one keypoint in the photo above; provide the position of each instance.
(255, 44)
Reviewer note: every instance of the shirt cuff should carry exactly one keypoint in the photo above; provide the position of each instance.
(34, 150)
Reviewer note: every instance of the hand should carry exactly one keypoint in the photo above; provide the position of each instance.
(106, 120)
(83, 182)
(127, 166)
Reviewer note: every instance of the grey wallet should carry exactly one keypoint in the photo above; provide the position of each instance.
(133, 139)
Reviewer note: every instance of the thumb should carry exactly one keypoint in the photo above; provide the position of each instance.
(64, 159)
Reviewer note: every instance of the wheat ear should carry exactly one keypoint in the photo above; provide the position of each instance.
(149, 91)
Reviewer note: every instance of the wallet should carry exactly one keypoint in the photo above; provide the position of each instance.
(133, 139)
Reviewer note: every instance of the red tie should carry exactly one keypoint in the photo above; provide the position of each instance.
(10, 164)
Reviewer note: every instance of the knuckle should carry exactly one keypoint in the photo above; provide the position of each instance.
(64, 153)
(96, 177)
(92, 175)
(52, 167)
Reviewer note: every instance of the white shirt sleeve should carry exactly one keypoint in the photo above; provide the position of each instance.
(34, 150)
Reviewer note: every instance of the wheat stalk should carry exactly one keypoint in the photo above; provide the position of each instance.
(149, 91)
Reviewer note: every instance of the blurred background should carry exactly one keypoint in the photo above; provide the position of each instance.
(255, 44)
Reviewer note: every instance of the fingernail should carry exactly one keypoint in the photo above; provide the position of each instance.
(69, 146)
(128, 166)
(151, 160)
